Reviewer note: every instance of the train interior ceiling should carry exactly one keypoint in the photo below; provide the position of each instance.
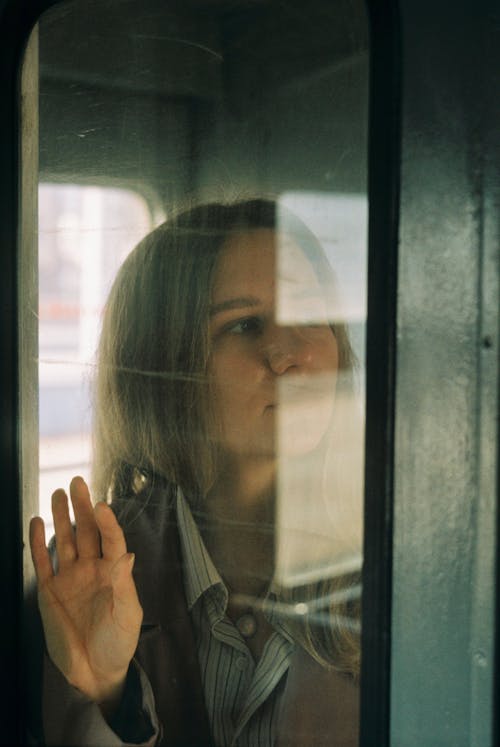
(205, 100)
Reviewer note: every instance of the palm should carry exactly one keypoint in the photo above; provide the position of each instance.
(90, 611)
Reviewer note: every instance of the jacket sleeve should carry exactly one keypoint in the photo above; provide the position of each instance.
(70, 719)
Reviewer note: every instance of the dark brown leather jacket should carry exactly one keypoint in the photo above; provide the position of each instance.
(320, 707)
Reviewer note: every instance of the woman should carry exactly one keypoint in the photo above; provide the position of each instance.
(164, 621)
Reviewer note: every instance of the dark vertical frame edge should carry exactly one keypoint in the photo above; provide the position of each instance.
(383, 189)
(17, 18)
(492, 154)
(491, 159)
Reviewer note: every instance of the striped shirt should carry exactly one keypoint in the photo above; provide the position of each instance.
(242, 697)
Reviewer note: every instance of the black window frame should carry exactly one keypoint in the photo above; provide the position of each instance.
(17, 18)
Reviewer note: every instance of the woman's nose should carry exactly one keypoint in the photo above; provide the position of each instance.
(287, 348)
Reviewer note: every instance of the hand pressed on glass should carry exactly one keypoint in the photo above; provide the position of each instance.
(90, 610)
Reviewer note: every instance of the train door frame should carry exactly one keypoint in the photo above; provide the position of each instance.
(398, 42)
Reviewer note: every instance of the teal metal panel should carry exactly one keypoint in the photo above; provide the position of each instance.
(446, 396)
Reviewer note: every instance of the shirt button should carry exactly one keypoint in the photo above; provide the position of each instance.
(241, 663)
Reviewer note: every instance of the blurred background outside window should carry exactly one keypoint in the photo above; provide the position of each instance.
(85, 232)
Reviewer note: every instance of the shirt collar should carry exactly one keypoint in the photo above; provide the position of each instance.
(200, 574)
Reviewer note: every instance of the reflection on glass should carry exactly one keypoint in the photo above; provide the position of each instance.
(320, 421)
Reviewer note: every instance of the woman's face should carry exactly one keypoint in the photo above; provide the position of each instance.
(274, 357)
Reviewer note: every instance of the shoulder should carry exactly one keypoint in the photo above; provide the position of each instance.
(149, 513)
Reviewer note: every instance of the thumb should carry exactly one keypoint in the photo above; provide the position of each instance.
(126, 606)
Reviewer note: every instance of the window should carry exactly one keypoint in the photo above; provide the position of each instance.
(204, 106)
(85, 233)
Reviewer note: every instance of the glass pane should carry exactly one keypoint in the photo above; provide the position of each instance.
(84, 233)
(207, 384)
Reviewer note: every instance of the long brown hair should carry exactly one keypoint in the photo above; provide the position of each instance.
(152, 417)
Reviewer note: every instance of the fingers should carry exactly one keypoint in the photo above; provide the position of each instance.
(39, 552)
(97, 529)
(126, 606)
(65, 535)
(87, 533)
(113, 544)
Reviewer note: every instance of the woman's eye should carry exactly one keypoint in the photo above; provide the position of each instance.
(248, 326)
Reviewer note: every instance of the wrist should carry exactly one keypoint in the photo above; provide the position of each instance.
(106, 692)
(109, 695)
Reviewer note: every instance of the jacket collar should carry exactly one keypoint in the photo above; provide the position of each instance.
(151, 532)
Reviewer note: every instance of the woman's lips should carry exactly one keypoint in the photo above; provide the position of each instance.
(292, 394)
(302, 392)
